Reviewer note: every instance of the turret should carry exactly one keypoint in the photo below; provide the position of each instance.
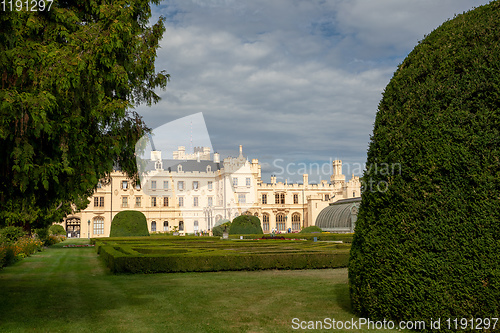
(337, 176)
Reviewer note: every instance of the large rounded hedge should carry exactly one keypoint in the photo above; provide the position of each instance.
(129, 223)
(427, 238)
(245, 225)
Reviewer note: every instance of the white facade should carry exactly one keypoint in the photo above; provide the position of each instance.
(194, 192)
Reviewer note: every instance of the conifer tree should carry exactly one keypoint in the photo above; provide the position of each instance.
(71, 75)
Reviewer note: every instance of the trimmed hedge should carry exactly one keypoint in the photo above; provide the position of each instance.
(324, 236)
(245, 224)
(427, 238)
(57, 229)
(219, 230)
(311, 228)
(129, 223)
(201, 254)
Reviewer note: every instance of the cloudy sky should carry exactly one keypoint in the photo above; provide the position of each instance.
(297, 83)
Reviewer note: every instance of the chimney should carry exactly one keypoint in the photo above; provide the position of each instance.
(156, 155)
(241, 150)
(305, 177)
(273, 180)
(216, 158)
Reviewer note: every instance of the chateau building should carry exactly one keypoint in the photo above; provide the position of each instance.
(191, 192)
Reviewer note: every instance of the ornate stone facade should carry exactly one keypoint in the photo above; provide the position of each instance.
(191, 192)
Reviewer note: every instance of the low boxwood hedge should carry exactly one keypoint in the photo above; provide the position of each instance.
(200, 254)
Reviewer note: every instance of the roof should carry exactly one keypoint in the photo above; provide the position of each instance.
(187, 166)
(339, 216)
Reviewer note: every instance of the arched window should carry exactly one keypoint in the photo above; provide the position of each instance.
(265, 222)
(153, 226)
(99, 225)
(181, 225)
(195, 226)
(280, 222)
(296, 221)
(165, 225)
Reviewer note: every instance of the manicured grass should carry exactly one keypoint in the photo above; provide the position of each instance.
(70, 290)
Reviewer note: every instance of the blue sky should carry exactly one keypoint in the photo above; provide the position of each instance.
(294, 82)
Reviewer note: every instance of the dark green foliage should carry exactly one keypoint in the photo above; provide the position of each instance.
(427, 238)
(246, 224)
(70, 79)
(43, 235)
(311, 228)
(220, 229)
(200, 254)
(57, 229)
(12, 234)
(129, 223)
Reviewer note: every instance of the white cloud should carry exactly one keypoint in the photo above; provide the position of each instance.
(299, 79)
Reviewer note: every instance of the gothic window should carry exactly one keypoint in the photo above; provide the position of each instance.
(296, 221)
(265, 222)
(280, 222)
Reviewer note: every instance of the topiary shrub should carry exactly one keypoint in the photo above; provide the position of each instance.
(246, 224)
(129, 223)
(219, 230)
(310, 229)
(427, 236)
(57, 229)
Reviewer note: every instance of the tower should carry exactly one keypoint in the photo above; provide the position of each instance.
(337, 176)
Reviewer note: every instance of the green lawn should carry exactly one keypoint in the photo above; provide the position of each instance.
(70, 290)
